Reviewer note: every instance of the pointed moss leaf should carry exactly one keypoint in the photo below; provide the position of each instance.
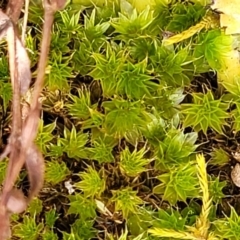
(178, 184)
(91, 184)
(56, 171)
(228, 227)
(214, 46)
(124, 116)
(133, 163)
(219, 157)
(45, 136)
(216, 189)
(5, 93)
(175, 149)
(102, 150)
(50, 217)
(133, 25)
(169, 219)
(74, 142)
(28, 228)
(205, 112)
(79, 109)
(79, 204)
(83, 229)
(172, 66)
(35, 207)
(135, 82)
(49, 235)
(184, 16)
(126, 200)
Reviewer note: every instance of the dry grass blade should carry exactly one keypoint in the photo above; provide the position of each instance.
(162, 232)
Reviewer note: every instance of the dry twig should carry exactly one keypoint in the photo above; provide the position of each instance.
(21, 148)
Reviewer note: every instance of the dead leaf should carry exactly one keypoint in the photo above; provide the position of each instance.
(235, 175)
(35, 168)
(69, 187)
(103, 209)
(230, 15)
(16, 202)
(23, 63)
(227, 6)
(5, 23)
(236, 155)
(231, 23)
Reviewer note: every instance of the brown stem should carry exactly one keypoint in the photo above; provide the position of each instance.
(24, 28)
(45, 45)
(16, 123)
(14, 9)
(30, 127)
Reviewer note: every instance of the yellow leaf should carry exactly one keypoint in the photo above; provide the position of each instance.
(232, 70)
(231, 23)
(227, 6)
(230, 15)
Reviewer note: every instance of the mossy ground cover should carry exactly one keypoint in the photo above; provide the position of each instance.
(139, 133)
